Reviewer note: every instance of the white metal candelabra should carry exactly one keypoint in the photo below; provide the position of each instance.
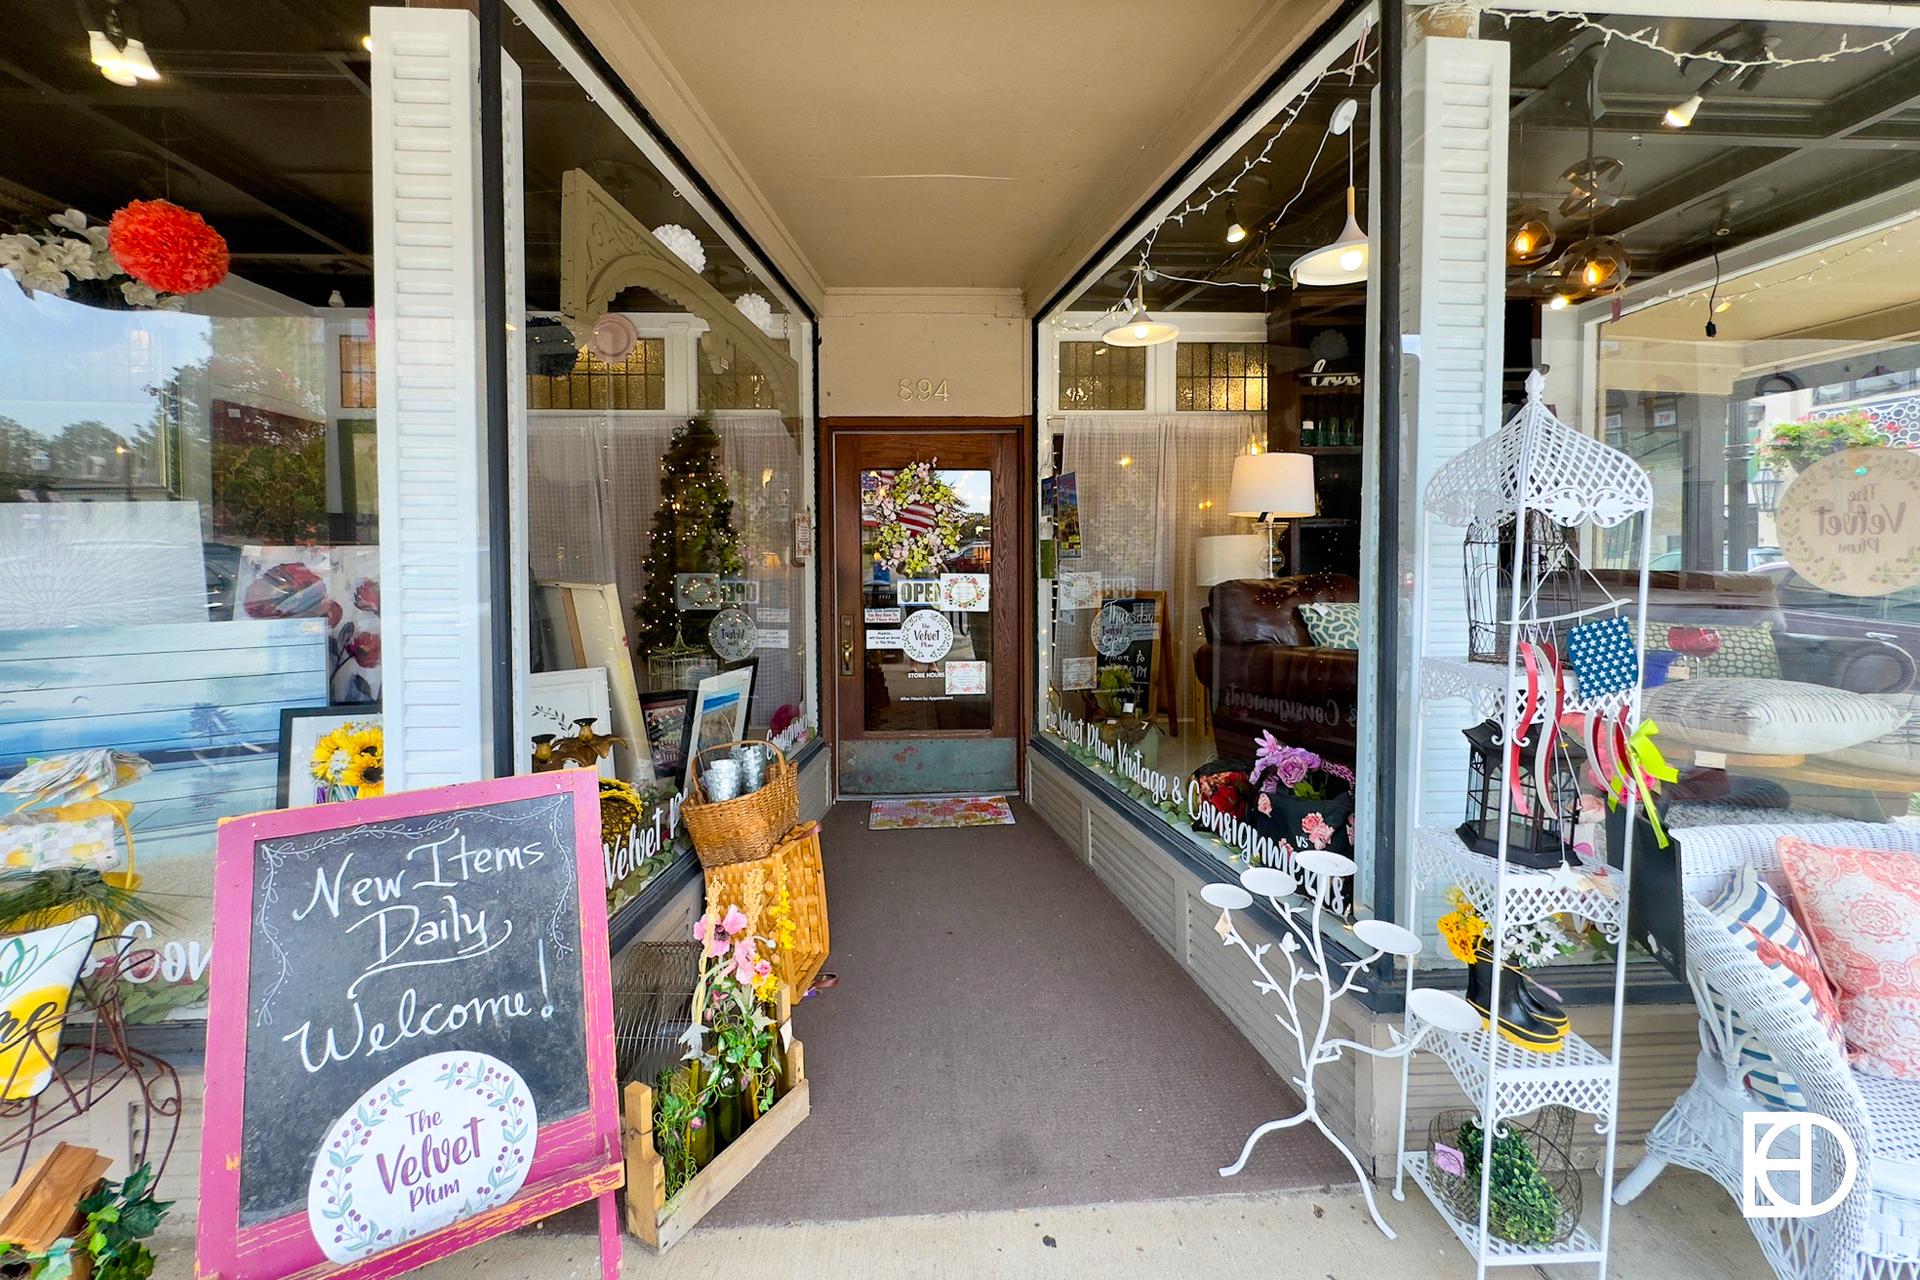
(1304, 948)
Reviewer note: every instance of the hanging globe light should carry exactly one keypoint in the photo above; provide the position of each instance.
(1595, 265)
(1529, 236)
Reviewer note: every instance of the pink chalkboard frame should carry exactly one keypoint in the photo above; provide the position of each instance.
(575, 1160)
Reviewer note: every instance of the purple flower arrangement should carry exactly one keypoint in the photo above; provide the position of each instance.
(1301, 772)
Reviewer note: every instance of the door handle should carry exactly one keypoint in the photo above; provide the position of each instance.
(846, 644)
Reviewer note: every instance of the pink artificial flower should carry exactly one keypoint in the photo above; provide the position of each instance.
(1317, 830)
(700, 929)
(1266, 803)
(735, 921)
(716, 946)
(743, 960)
(697, 1122)
(762, 968)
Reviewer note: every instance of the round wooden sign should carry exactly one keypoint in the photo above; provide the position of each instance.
(1851, 522)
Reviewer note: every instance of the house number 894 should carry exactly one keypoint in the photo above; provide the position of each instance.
(924, 389)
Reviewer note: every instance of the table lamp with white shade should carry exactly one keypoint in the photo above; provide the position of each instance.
(1228, 557)
(1272, 488)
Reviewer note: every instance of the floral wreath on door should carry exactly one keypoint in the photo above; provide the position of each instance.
(916, 490)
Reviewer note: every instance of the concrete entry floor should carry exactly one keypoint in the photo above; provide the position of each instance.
(1005, 1035)
(1684, 1226)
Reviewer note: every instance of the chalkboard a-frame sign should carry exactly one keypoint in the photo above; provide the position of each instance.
(410, 1030)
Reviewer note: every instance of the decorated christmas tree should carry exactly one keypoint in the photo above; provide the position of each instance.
(692, 532)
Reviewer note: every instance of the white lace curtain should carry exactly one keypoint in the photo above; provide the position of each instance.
(1150, 487)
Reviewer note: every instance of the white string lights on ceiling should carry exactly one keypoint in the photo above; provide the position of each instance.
(1725, 301)
(1649, 38)
(1144, 272)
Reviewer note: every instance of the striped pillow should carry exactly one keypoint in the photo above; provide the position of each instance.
(1753, 913)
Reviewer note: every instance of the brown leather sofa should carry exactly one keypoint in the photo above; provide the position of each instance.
(1263, 673)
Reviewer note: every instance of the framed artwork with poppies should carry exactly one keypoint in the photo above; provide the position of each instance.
(343, 742)
(340, 584)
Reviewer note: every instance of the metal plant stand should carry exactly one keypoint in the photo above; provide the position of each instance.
(1304, 948)
(1535, 468)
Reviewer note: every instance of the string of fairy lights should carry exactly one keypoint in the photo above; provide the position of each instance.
(1196, 204)
(1728, 61)
(1649, 38)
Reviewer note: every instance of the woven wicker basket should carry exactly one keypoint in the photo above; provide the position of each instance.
(754, 887)
(745, 827)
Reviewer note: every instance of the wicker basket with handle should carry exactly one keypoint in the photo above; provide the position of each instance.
(746, 827)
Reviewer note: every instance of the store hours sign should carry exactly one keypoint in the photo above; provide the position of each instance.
(410, 1027)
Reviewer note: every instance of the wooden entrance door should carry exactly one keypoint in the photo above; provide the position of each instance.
(928, 630)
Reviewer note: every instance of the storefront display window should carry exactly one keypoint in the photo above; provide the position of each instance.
(667, 459)
(1200, 532)
(189, 529)
(1740, 340)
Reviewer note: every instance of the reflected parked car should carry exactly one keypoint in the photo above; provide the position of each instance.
(1814, 610)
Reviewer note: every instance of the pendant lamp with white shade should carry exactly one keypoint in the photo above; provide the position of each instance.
(1345, 260)
(1140, 329)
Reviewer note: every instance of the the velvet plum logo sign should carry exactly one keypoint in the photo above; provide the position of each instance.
(443, 1138)
(1851, 522)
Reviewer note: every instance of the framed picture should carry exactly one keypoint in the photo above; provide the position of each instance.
(557, 700)
(585, 626)
(668, 715)
(719, 712)
(301, 729)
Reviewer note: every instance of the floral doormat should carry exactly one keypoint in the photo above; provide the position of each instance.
(955, 811)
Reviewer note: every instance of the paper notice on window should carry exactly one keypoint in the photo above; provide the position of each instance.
(778, 641)
(1078, 673)
(878, 638)
(889, 614)
(1079, 591)
(966, 677)
(964, 592)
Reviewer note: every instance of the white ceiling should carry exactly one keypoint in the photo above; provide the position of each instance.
(977, 145)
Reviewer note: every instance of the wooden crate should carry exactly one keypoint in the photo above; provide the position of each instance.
(754, 887)
(44, 1205)
(658, 1222)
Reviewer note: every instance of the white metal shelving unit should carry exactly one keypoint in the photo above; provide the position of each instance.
(1534, 464)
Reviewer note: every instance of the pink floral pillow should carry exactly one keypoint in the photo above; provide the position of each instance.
(1862, 907)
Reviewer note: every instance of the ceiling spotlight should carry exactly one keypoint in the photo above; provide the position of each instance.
(125, 63)
(366, 42)
(1529, 237)
(1558, 302)
(121, 59)
(1139, 329)
(1235, 232)
(1681, 114)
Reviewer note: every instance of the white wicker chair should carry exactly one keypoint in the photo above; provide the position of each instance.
(1875, 1230)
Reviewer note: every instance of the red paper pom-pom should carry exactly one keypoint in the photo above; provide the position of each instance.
(172, 249)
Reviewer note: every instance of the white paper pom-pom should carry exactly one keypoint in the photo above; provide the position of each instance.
(685, 245)
(759, 310)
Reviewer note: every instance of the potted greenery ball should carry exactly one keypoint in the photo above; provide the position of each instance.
(1533, 1195)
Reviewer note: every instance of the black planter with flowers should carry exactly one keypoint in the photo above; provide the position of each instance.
(1289, 795)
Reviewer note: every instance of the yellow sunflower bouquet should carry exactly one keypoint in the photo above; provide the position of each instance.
(350, 762)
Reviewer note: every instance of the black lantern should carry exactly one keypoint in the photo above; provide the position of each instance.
(1551, 589)
(1535, 839)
